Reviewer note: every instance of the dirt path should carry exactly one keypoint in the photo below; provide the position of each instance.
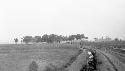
(79, 62)
(107, 61)
(116, 64)
(112, 60)
(113, 65)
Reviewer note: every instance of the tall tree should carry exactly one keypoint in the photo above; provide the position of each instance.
(52, 38)
(83, 36)
(27, 39)
(78, 36)
(45, 38)
(71, 37)
(16, 40)
(116, 39)
(38, 39)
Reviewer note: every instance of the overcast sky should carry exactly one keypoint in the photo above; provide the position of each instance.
(93, 18)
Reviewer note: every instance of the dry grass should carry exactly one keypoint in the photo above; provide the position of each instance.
(18, 57)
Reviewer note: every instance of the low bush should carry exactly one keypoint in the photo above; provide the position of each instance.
(52, 67)
(33, 66)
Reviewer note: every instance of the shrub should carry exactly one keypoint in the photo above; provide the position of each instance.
(52, 67)
(33, 66)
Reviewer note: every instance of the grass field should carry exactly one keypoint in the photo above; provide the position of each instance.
(17, 57)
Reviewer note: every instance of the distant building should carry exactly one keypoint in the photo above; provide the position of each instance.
(74, 41)
(106, 39)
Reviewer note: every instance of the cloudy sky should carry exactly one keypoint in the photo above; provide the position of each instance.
(93, 18)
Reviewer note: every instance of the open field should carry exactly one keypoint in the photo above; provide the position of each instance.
(18, 57)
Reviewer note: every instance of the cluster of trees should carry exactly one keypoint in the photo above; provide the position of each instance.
(51, 38)
(117, 39)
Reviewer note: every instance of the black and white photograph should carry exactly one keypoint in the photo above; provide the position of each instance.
(62, 35)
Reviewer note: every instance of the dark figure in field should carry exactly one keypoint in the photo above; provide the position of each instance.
(33, 66)
(21, 41)
(16, 40)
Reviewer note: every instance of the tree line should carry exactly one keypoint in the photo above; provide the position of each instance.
(50, 38)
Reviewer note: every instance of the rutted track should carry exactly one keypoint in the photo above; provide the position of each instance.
(96, 61)
(85, 62)
(113, 62)
(114, 67)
